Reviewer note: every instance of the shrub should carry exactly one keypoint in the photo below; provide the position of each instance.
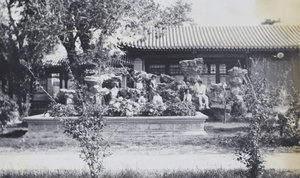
(218, 173)
(123, 107)
(151, 109)
(8, 109)
(87, 130)
(180, 109)
(261, 97)
(62, 110)
(289, 124)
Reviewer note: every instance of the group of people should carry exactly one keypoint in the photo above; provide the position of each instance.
(197, 88)
(152, 94)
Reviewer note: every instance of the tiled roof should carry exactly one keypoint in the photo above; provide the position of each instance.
(264, 37)
(54, 60)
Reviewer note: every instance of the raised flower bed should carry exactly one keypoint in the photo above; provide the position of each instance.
(133, 126)
(149, 108)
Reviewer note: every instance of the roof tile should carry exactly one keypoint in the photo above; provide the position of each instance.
(226, 37)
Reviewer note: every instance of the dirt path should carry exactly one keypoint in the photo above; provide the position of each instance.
(150, 161)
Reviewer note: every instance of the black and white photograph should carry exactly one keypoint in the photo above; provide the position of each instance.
(150, 88)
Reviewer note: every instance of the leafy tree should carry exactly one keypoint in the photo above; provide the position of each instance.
(92, 24)
(289, 121)
(26, 33)
(87, 130)
(79, 22)
(8, 110)
(29, 29)
(248, 150)
(263, 98)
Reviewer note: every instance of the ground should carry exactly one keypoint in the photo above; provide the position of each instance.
(43, 151)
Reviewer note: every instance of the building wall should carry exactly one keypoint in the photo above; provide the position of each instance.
(275, 68)
(164, 61)
(281, 70)
(217, 63)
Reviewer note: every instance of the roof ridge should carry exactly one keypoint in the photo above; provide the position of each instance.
(220, 37)
(218, 26)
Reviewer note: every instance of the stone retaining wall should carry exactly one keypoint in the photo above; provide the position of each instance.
(132, 126)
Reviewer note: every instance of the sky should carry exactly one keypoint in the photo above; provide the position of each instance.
(242, 12)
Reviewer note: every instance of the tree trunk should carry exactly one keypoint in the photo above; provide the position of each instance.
(19, 102)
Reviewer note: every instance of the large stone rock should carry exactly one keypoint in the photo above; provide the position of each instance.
(111, 82)
(237, 91)
(166, 78)
(105, 79)
(217, 93)
(192, 68)
(236, 76)
(99, 85)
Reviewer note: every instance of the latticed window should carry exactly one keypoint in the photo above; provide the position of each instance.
(213, 68)
(175, 69)
(157, 69)
(222, 68)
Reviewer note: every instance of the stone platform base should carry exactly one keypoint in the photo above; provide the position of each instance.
(130, 126)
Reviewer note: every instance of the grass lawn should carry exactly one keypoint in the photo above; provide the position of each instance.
(18, 139)
(219, 140)
(219, 173)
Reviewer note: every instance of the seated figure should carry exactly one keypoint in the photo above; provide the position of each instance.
(157, 99)
(142, 99)
(187, 96)
(200, 91)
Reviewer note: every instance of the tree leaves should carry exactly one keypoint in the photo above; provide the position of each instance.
(80, 19)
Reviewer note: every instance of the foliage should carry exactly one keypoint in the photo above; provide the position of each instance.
(61, 106)
(180, 109)
(153, 109)
(8, 108)
(289, 123)
(30, 29)
(26, 33)
(97, 26)
(262, 98)
(43, 24)
(289, 120)
(63, 110)
(219, 173)
(113, 70)
(257, 101)
(87, 130)
(167, 94)
(123, 107)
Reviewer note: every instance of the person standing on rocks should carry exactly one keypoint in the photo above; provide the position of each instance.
(152, 87)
